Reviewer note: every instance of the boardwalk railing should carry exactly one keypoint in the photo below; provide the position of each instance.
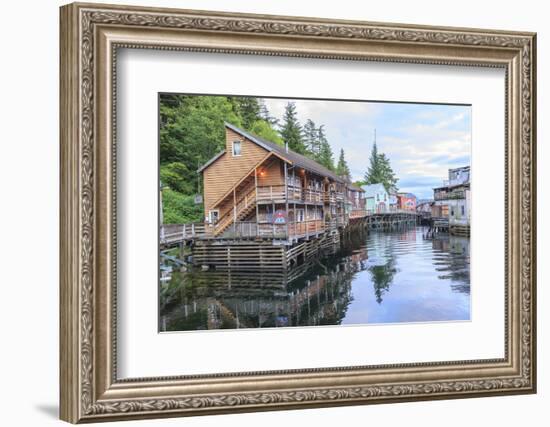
(333, 196)
(245, 229)
(172, 234)
(277, 192)
(389, 212)
(271, 192)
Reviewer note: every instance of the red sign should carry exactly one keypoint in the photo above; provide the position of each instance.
(279, 217)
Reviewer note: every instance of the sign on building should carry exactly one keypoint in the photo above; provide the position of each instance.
(279, 217)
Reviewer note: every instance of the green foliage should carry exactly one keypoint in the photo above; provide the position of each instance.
(342, 168)
(247, 108)
(291, 130)
(192, 128)
(179, 208)
(380, 171)
(178, 177)
(263, 129)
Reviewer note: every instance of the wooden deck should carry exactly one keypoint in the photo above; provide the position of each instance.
(253, 255)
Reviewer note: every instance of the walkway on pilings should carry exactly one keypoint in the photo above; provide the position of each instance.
(392, 220)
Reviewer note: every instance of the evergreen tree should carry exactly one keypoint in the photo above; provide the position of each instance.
(325, 156)
(342, 168)
(265, 115)
(248, 108)
(380, 171)
(374, 172)
(388, 175)
(311, 139)
(291, 130)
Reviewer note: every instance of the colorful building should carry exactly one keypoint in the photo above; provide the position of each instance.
(377, 198)
(406, 201)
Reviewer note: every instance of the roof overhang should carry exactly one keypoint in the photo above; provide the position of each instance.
(212, 160)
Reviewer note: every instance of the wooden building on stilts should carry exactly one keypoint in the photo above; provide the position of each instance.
(267, 206)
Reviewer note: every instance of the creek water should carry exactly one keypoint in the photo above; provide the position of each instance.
(374, 277)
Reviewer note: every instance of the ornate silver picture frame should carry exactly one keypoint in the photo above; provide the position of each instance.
(91, 34)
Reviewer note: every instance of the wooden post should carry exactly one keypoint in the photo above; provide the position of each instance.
(295, 217)
(257, 207)
(306, 220)
(234, 205)
(294, 186)
(286, 200)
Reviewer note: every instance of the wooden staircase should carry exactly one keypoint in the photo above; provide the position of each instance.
(245, 205)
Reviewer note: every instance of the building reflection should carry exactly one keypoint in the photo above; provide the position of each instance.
(452, 261)
(315, 293)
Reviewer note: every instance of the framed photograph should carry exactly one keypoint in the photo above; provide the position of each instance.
(268, 212)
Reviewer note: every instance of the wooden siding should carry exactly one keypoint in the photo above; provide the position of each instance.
(225, 172)
(272, 175)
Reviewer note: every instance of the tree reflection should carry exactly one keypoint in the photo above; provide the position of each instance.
(382, 278)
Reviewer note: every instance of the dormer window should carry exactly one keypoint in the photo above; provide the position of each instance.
(236, 148)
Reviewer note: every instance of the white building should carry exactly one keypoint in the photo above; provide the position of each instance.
(377, 198)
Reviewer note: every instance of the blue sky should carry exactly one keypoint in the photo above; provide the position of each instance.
(422, 141)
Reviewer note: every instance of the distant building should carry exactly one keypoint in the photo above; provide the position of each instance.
(377, 198)
(393, 202)
(406, 201)
(424, 206)
(459, 176)
(440, 207)
(355, 201)
(452, 201)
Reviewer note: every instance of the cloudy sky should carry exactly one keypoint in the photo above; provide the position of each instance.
(422, 141)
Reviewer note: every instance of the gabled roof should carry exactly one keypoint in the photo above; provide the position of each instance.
(212, 160)
(372, 190)
(288, 155)
(354, 187)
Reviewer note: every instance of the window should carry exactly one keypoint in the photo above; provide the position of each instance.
(462, 209)
(452, 212)
(214, 216)
(236, 148)
(299, 215)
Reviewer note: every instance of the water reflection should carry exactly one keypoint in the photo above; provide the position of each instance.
(381, 277)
